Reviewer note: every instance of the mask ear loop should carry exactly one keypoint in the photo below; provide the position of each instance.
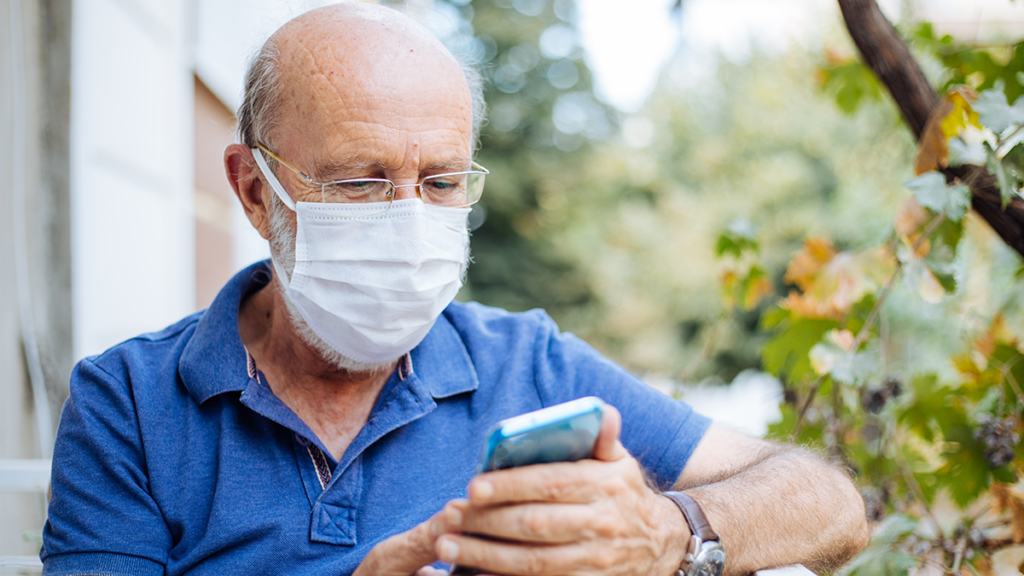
(257, 155)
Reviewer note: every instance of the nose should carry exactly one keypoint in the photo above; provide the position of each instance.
(406, 191)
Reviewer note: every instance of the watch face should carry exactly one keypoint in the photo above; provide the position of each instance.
(710, 562)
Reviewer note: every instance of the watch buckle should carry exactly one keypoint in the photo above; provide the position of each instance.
(691, 553)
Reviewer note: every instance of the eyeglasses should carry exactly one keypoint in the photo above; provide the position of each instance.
(451, 190)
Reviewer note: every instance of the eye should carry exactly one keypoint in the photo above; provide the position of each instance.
(445, 185)
(368, 190)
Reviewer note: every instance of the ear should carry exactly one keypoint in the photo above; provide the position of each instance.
(250, 187)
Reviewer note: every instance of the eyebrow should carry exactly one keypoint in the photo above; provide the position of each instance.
(327, 170)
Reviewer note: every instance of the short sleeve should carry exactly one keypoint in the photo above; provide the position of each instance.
(659, 431)
(102, 518)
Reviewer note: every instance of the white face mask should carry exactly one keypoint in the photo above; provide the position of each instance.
(371, 286)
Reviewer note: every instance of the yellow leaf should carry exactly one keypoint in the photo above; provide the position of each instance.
(760, 288)
(808, 261)
(962, 115)
(808, 307)
(831, 281)
(910, 219)
(930, 289)
(842, 338)
(1007, 498)
(932, 150)
(949, 118)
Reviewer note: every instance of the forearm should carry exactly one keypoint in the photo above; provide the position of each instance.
(785, 506)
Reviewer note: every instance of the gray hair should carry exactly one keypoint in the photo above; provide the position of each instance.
(258, 113)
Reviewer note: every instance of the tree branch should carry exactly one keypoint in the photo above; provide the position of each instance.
(889, 58)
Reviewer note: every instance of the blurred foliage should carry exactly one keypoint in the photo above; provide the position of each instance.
(610, 221)
(890, 312)
(904, 359)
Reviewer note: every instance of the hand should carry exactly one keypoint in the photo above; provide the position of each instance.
(407, 553)
(590, 517)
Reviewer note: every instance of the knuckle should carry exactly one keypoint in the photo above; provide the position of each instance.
(604, 558)
(557, 488)
(615, 485)
(604, 525)
(535, 525)
(534, 562)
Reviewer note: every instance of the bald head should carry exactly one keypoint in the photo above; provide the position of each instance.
(353, 60)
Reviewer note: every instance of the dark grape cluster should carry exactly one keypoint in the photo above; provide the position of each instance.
(875, 397)
(998, 437)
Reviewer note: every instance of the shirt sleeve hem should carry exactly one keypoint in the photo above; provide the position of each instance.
(677, 453)
(100, 564)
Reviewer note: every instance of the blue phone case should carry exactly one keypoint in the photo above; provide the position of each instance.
(562, 433)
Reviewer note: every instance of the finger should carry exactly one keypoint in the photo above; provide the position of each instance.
(567, 482)
(608, 447)
(405, 553)
(513, 559)
(537, 523)
(431, 571)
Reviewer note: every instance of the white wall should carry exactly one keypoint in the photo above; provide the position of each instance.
(131, 133)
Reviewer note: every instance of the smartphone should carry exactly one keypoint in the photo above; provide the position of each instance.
(561, 433)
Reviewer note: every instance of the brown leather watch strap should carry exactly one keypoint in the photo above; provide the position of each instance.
(699, 525)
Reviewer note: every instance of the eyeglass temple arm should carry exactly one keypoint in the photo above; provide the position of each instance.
(257, 155)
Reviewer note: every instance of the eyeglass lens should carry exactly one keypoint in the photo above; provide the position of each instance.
(453, 190)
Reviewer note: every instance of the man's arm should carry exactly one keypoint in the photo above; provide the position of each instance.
(772, 504)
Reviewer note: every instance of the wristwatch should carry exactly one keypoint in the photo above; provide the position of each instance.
(705, 555)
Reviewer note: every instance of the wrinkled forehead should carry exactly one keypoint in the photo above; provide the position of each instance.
(366, 61)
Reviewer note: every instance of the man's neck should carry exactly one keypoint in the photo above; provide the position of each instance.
(334, 403)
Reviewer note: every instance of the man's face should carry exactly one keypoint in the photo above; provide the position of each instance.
(383, 99)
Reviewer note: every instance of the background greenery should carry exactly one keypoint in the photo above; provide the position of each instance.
(768, 216)
(615, 236)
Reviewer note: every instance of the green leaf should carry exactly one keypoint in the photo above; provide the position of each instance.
(961, 153)
(786, 354)
(828, 358)
(726, 246)
(879, 558)
(1013, 160)
(851, 83)
(928, 400)
(967, 473)
(931, 191)
(1007, 184)
(739, 237)
(958, 202)
(810, 433)
(994, 111)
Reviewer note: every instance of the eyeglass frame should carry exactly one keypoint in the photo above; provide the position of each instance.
(478, 169)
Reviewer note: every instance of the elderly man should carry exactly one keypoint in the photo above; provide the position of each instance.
(324, 415)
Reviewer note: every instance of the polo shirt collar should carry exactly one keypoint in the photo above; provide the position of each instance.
(442, 362)
(215, 360)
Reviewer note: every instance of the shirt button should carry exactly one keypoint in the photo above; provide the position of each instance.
(302, 440)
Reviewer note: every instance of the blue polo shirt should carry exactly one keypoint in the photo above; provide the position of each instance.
(173, 455)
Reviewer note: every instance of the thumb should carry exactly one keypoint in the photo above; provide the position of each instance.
(405, 553)
(608, 447)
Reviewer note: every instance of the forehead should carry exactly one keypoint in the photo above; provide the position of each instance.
(378, 88)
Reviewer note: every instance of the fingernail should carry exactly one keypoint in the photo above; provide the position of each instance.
(449, 551)
(453, 515)
(483, 489)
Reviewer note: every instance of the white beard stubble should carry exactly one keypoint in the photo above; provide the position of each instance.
(282, 248)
